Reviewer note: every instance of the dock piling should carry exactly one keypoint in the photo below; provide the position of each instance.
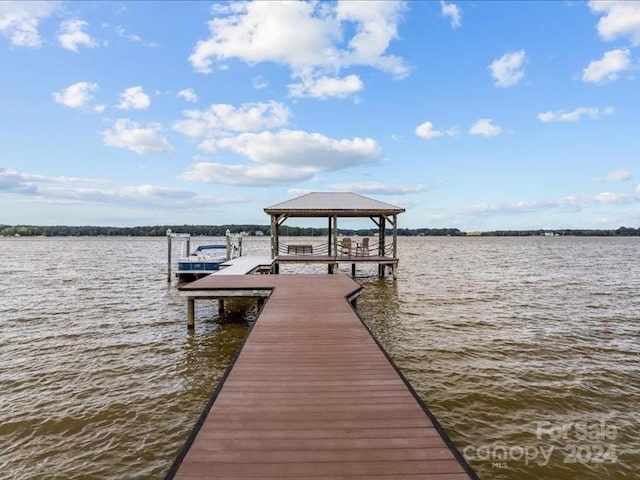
(191, 313)
(169, 256)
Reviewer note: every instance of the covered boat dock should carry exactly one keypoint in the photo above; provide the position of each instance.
(332, 206)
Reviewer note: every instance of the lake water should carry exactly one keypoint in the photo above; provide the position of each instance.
(526, 349)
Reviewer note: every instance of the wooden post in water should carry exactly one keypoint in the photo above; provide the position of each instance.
(169, 256)
(191, 313)
(220, 306)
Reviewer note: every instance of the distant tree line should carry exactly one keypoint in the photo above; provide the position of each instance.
(141, 231)
(406, 232)
(220, 230)
(620, 232)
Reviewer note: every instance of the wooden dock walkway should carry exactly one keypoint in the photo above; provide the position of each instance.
(245, 265)
(312, 395)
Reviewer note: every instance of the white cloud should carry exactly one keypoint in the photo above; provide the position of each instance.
(259, 82)
(78, 95)
(377, 188)
(84, 190)
(376, 24)
(134, 98)
(19, 21)
(299, 148)
(13, 181)
(188, 95)
(574, 115)
(452, 11)
(326, 87)
(245, 175)
(620, 19)
(608, 197)
(425, 130)
(617, 176)
(486, 128)
(608, 67)
(260, 31)
(133, 37)
(569, 203)
(617, 197)
(284, 157)
(314, 39)
(71, 35)
(299, 191)
(129, 36)
(507, 70)
(129, 135)
(220, 119)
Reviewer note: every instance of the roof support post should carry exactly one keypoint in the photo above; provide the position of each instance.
(395, 237)
(381, 246)
(274, 236)
(329, 243)
(335, 236)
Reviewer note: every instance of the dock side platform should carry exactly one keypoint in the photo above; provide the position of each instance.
(312, 394)
(245, 266)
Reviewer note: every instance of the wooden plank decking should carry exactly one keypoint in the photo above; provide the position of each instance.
(244, 265)
(312, 395)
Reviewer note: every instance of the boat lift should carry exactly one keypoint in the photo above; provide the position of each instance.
(233, 247)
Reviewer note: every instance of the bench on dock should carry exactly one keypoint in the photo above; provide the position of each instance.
(300, 248)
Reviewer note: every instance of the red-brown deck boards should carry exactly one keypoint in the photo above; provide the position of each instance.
(311, 395)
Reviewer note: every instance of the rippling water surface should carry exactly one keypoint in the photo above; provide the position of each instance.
(526, 349)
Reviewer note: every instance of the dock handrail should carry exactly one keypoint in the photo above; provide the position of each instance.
(320, 249)
(358, 249)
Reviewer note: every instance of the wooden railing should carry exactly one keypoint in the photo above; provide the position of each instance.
(321, 249)
(358, 248)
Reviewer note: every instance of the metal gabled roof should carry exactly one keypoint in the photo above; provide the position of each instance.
(341, 204)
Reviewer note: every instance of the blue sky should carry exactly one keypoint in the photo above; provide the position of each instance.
(476, 115)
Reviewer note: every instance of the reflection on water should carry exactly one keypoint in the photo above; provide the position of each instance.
(520, 346)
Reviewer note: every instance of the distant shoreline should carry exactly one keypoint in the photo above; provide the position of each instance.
(263, 230)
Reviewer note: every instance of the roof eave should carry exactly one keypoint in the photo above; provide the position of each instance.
(332, 213)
